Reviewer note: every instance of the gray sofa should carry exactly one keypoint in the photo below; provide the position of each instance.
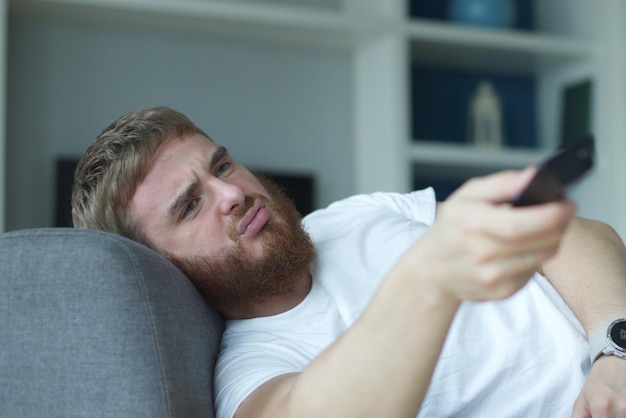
(93, 324)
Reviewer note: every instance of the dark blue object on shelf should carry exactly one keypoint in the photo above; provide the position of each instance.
(439, 10)
(441, 98)
(487, 13)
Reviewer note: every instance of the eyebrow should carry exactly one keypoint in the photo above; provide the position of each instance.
(182, 198)
(186, 194)
(220, 153)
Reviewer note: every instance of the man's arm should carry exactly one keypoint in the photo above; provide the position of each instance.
(382, 365)
(589, 272)
(379, 367)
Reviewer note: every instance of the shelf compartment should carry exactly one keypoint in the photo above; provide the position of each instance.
(441, 98)
(456, 46)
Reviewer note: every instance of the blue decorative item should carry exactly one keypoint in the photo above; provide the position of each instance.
(489, 13)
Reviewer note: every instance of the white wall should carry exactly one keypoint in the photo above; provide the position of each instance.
(273, 107)
(600, 196)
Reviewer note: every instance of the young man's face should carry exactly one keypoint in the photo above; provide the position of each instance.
(220, 224)
(193, 191)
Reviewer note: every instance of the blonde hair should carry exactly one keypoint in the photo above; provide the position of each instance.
(116, 162)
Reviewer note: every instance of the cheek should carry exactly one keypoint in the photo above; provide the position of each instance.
(250, 183)
(205, 239)
(176, 243)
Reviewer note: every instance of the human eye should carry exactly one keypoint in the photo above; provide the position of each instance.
(189, 209)
(223, 168)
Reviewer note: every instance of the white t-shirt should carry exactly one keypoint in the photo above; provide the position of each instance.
(526, 356)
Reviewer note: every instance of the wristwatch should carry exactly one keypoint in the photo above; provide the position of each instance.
(611, 342)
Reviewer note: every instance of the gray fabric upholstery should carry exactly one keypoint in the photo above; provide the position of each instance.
(92, 324)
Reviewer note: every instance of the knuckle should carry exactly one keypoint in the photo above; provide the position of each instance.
(620, 406)
(500, 283)
(467, 232)
(601, 405)
(512, 232)
(491, 277)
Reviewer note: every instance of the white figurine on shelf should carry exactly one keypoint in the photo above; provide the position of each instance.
(486, 117)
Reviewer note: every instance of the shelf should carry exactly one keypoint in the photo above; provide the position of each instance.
(457, 46)
(469, 157)
(275, 22)
(433, 42)
(446, 166)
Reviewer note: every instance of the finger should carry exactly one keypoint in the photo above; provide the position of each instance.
(491, 233)
(520, 224)
(503, 279)
(532, 252)
(536, 250)
(500, 187)
(510, 274)
(580, 409)
(532, 260)
(500, 277)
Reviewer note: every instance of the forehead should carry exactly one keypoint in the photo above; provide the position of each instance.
(187, 146)
(178, 156)
(174, 165)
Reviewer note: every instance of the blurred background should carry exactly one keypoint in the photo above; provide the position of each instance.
(336, 96)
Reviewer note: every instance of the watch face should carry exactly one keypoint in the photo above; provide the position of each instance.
(618, 334)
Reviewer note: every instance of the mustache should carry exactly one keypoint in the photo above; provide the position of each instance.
(242, 210)
(247, 204)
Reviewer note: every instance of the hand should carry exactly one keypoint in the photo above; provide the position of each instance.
(604, 394)
(480, 248)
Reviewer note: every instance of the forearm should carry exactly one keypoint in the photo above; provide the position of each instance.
(394, 348)
(589, 272)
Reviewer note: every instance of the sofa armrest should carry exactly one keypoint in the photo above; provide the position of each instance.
(93, 324)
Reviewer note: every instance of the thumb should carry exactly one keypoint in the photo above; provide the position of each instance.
(500, 187)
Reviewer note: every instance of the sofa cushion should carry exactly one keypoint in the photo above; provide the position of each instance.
(93, 324)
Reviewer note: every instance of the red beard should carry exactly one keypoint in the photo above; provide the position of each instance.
(239, 280)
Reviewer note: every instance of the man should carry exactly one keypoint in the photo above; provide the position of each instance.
(385, 311)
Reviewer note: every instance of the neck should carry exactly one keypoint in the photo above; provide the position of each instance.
(278, 304)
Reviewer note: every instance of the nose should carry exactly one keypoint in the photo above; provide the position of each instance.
(228, 196)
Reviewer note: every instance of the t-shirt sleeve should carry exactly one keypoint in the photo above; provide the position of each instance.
(257, 350)
(418, 206)
(239, 372)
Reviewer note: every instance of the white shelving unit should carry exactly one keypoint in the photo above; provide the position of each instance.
(268, 20)
(3, 48)
(504, 52)
(554, 55)
(384, 42)
(441, 44)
